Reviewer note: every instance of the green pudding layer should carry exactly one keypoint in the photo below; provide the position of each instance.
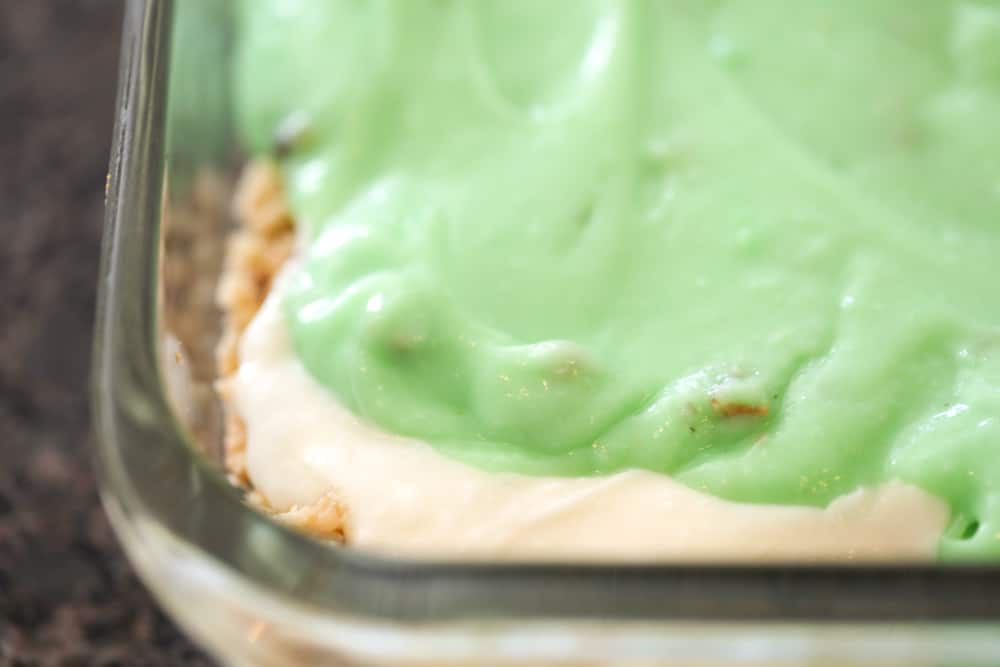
(752, 244)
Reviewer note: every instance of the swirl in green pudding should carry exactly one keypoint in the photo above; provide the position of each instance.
(752, 244)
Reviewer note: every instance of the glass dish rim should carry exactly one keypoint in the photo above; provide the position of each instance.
(164, 481)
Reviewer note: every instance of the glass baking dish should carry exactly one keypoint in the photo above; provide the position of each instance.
(254, 592)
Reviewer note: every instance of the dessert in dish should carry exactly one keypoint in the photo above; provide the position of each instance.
(620, 279)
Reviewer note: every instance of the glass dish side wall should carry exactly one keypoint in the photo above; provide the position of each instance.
(256, 593)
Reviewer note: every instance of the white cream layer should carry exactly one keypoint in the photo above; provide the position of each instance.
(404, 498)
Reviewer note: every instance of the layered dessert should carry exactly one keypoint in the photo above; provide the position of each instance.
(620, 279)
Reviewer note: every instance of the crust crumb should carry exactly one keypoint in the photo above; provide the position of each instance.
(736, 409)
(326, 518)
(256, 252)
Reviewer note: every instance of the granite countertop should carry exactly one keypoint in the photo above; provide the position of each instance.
(67, 595)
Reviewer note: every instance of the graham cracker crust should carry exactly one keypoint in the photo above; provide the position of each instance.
(260, 246)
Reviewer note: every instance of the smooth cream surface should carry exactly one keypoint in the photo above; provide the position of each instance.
(406, 498)
(748, 244)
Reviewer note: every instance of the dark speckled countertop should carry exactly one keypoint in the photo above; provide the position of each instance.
(67, 595)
